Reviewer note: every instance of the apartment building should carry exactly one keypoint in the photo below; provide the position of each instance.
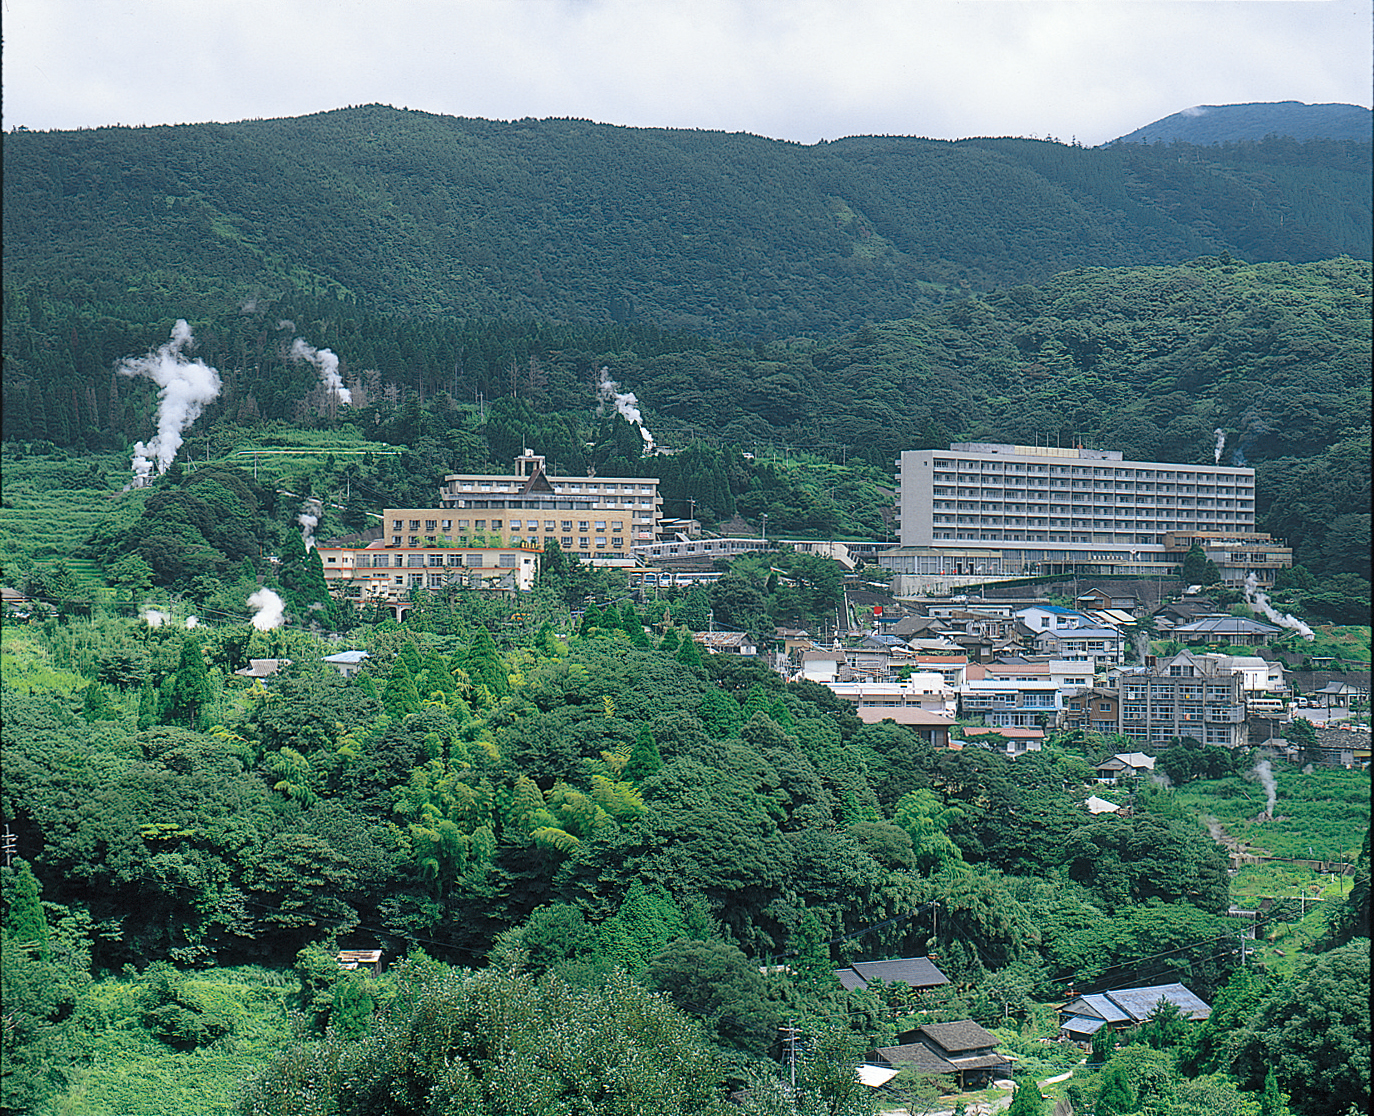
(597, 518)
(996, 510)
(1186, 695)
(379, 572)
(1238, 554)
(1021, 694)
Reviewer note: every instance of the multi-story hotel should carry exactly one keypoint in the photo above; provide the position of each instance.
(1007, 510)
(597, 518)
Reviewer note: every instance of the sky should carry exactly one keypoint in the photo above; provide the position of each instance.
(800, 70)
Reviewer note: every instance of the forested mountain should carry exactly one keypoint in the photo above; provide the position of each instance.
(724, 234)
(1206, 124)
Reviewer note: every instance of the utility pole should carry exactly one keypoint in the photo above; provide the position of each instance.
(10, 845)
(791, 1031)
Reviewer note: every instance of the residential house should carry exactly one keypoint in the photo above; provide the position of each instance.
(1261, 676)
(1186, 695)
(1084, 1016)
(952, 668)
(1051, 618)
(1185, 611)
(1019, 741)
(1020, 693)
(1124, 765)
(727, 643)
(822, 666)
(354, 959)
(1099, 646)
(1092, 709)
(347, 663)
(1102, 599)
(1217, 628)
(262, 668)
(917, 973)
(923, 702)
(963, 1050)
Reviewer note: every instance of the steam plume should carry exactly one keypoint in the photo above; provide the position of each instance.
(1265, 774)
(309, 519)
(327, 364)
(153, 617)
(269, 610)
(608, 391)
(193, 621)
(186, 387)
(1142, 645)
(1260, 600)
(1221, 444)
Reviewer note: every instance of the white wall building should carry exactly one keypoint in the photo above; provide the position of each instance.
(990, 509)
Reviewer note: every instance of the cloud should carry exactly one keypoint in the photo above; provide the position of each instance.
(805, 70)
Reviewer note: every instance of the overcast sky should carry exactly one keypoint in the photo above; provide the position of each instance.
(800, 70)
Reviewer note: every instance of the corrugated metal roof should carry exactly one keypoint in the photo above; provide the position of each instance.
(917, 972)
(1139, 1002)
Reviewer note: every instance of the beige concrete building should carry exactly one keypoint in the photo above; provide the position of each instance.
(597, 518)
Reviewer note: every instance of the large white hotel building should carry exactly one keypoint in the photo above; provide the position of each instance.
(1007, 510)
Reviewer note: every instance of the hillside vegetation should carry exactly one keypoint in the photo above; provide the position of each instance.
(725, 234)
(1206, 124)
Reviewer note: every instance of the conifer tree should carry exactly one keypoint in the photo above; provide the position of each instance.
(1027, 1101)
(645, 759)
(400, 696)
(25, 923)
(688, 655)
(188, 691)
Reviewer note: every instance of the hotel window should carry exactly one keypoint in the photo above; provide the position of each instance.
(601, 542)
(567, 524)
(414, 524)
(431, 524)
(614, 542)
(583, 544)
(567, 542)
(496, 525)
(550, 525)
(582, 525)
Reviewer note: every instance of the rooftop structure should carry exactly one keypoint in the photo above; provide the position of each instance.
(597, 518)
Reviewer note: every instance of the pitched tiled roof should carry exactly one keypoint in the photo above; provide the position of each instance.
(963, 1035)
(917, 1054)
(917, 972)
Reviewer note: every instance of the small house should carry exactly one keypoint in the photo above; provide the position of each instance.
(963, 1050)
(918, 973)
(1127, 1007)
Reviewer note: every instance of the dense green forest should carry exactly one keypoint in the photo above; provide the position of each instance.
(565, 807)
(565, 220)
(1207, 124)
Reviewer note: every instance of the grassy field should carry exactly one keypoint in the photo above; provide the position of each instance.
(49, 506)
(1321, 816)
(130, 1073)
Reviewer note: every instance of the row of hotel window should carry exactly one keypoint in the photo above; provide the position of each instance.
(978, 467)
(550, 525)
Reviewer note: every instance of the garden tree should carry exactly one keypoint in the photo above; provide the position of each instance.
(1194, 568)
(1164, 1027)
(1313, 1030)
(1103, 1044)
(1115, 1096)
(1302, 736)
(1211, 573)
(716, 983)
(485, 669)
(1124, 860)
(479, 1043)
(1187, 759)
(1026, 1100)
(1213, 1045)
(813, 971)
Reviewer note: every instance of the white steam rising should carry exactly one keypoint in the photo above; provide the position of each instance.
(327, 364)
(193, 622)
(309, 519)
(186, 387)
(1221, 444)
(1196, 110)
(269, 610)
(153, 617)
(1265, 774)
(608, 391)
(1260, 600)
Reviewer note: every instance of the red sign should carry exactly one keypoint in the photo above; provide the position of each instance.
(877, 610)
